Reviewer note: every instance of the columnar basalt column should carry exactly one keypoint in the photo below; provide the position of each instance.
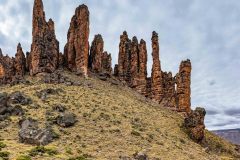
(45, 47)
(184, 86)
(156, 86)
(77, 48)
(20, 62)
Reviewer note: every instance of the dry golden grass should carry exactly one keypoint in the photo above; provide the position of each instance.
(113, 121)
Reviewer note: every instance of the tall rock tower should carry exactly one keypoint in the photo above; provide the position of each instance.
(44, 53)
(156, 86)
(77, 48)
(184, 86)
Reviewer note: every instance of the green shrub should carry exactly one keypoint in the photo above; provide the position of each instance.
(42, 150)
(2, 145)
(4, 155)
(24, 157)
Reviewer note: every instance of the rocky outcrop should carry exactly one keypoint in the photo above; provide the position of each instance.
(169, 93)
(106, 63)
(156, 86)
(183, 79)
(124, 58)
(44, 55)
(20, 62)
(77, 47)
(66, 119)
(7, 70)
(96, 52)
(194, 124)
(141, 79)
(134, 63)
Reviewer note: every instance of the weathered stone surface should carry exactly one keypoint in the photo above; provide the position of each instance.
(124, 58)
(195, 124)
(19, 98)
(30, 133)
(107, 63)
(77, 47)
(66, 119)
(184, 86)
(141, 79)
(134, 63)
(156, 86)
(7, 70)
(169, 93)
(44, 55)
(96, 52)
(20, 62)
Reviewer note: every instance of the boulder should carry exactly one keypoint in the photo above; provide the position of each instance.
(30, 133)
(19, 98)
(66, 119)
(194, 124)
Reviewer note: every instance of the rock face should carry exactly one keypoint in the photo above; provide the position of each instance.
(141, 86)
(44, 54)
(156, 86)
(7, 70)
(169, 93)
(184, 86)
(96, 52)
(195, 124)
(106, 62)
(124, 58)
(77, 47)
(20, 62)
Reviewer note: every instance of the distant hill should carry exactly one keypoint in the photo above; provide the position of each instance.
(232, 135)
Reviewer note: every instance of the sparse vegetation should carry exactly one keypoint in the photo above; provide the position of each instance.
(111, 119)
(39, 150)
(4, 155)
(24, 157)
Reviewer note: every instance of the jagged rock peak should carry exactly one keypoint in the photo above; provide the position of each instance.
(20, 61)
(157, 91)
(44, 53)
(77, 48)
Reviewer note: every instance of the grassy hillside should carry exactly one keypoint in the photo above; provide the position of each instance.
(113, 121)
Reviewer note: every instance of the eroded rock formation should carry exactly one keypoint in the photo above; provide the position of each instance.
(77, 47)
(44, 53)
(195, 124)
(20, 62)
(96, 52)
(124, 58)
(7, 70)
(184, 86)
(106, 62)
(156, 86)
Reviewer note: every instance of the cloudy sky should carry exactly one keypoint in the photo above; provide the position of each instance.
(205, 31)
